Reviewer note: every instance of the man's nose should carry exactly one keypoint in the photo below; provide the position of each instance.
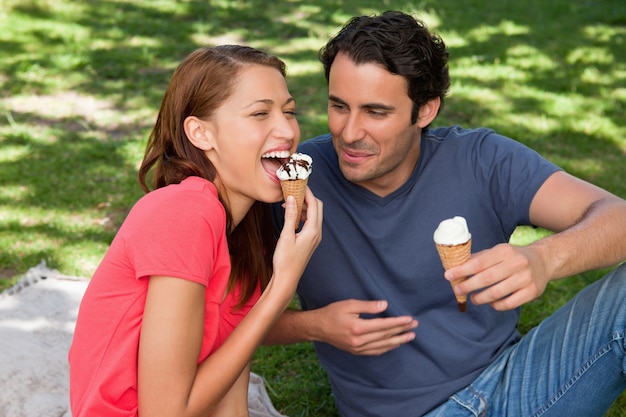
(353, 128)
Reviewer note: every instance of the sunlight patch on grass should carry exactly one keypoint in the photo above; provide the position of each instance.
(484, 97)
(559, 111)
(12, 153)
(60, 105)
(32, 217)
(84, 266)
(534, 122)
(69, 111)
(527, 58)
(229, 4)
(304, 68)
(14, 193)
(591, 125)
(299, 16)
(484, 33)
(603, 33)
(555, 109)
(29, 32)
(284, 48)
(172, 7)
(479, 68)
(32, 232)
(586, 167)
(561, 106)
(593, 75)
(588, 55)
(619, 93)
(138, 40)
(454, 40)
(525, 235)
(203, 39)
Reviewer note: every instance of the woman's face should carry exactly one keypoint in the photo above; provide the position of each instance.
(252, 131)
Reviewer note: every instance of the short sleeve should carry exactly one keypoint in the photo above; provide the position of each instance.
(178, 234)
(513, 172)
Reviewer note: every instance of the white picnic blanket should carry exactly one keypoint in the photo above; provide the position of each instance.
(37, 318)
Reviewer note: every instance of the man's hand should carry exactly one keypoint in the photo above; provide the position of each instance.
(504, 276)
(339, 324)
(588, 224)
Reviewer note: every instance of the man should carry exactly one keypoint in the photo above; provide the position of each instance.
(387, 180)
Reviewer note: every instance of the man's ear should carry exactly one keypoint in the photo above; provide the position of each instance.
(428, 112)
(199, 133)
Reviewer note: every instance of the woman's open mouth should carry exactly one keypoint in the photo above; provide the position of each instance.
(271, 161)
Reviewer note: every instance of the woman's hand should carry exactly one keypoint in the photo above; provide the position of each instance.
(294, 250)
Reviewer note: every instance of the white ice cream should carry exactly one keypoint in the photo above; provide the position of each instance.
(297, 168)
(452, 232)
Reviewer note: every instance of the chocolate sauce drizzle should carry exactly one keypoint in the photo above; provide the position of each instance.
(299, 162)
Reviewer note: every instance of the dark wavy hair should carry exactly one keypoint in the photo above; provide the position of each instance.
(199, 85)
(400, 43)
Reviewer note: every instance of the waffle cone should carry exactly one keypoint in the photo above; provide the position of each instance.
(451, 256)
(296, 188)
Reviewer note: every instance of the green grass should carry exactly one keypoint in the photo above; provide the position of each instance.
(81, 82)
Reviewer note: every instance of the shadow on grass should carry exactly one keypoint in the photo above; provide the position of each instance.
(70, 190)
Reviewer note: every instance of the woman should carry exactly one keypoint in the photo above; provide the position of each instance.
(192, 283)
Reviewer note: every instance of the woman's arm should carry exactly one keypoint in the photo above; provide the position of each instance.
(235, 402)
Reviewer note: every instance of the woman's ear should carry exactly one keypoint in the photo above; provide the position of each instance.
(428, 112)
(199, 133)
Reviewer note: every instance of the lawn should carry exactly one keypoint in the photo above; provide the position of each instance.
(81, 82)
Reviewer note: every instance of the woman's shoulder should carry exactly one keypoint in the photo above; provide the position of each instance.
(192, 200)
(189, 191)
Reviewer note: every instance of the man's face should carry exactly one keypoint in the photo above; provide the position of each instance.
(369, 117)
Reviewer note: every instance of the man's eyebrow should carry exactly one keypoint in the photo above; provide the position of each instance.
(377, 106)
(336, 99)
(370, 106)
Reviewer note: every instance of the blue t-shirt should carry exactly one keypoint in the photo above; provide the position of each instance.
(377, 248)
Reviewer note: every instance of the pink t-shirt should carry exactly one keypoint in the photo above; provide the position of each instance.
(178, 231)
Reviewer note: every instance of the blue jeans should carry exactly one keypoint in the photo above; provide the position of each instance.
(572, 365)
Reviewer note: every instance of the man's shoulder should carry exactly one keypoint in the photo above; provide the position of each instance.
(453, 133)
(480, 139)
(321, 143)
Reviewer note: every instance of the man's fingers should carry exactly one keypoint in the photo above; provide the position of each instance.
(380, 346)
(385, 333)
(359, 307)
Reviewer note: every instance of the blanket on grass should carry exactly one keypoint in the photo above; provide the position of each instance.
(37, 318)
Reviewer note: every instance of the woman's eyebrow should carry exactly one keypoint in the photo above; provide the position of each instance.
(270, 102)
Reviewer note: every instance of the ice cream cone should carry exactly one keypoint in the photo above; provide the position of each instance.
(296, 188)
(451, 256)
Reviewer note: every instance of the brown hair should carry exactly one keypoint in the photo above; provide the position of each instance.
(200, 84)
(403, 45)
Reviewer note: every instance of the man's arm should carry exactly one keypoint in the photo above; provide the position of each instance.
(590, 223)
(291, 327)
(340, 325)
(590, 233)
